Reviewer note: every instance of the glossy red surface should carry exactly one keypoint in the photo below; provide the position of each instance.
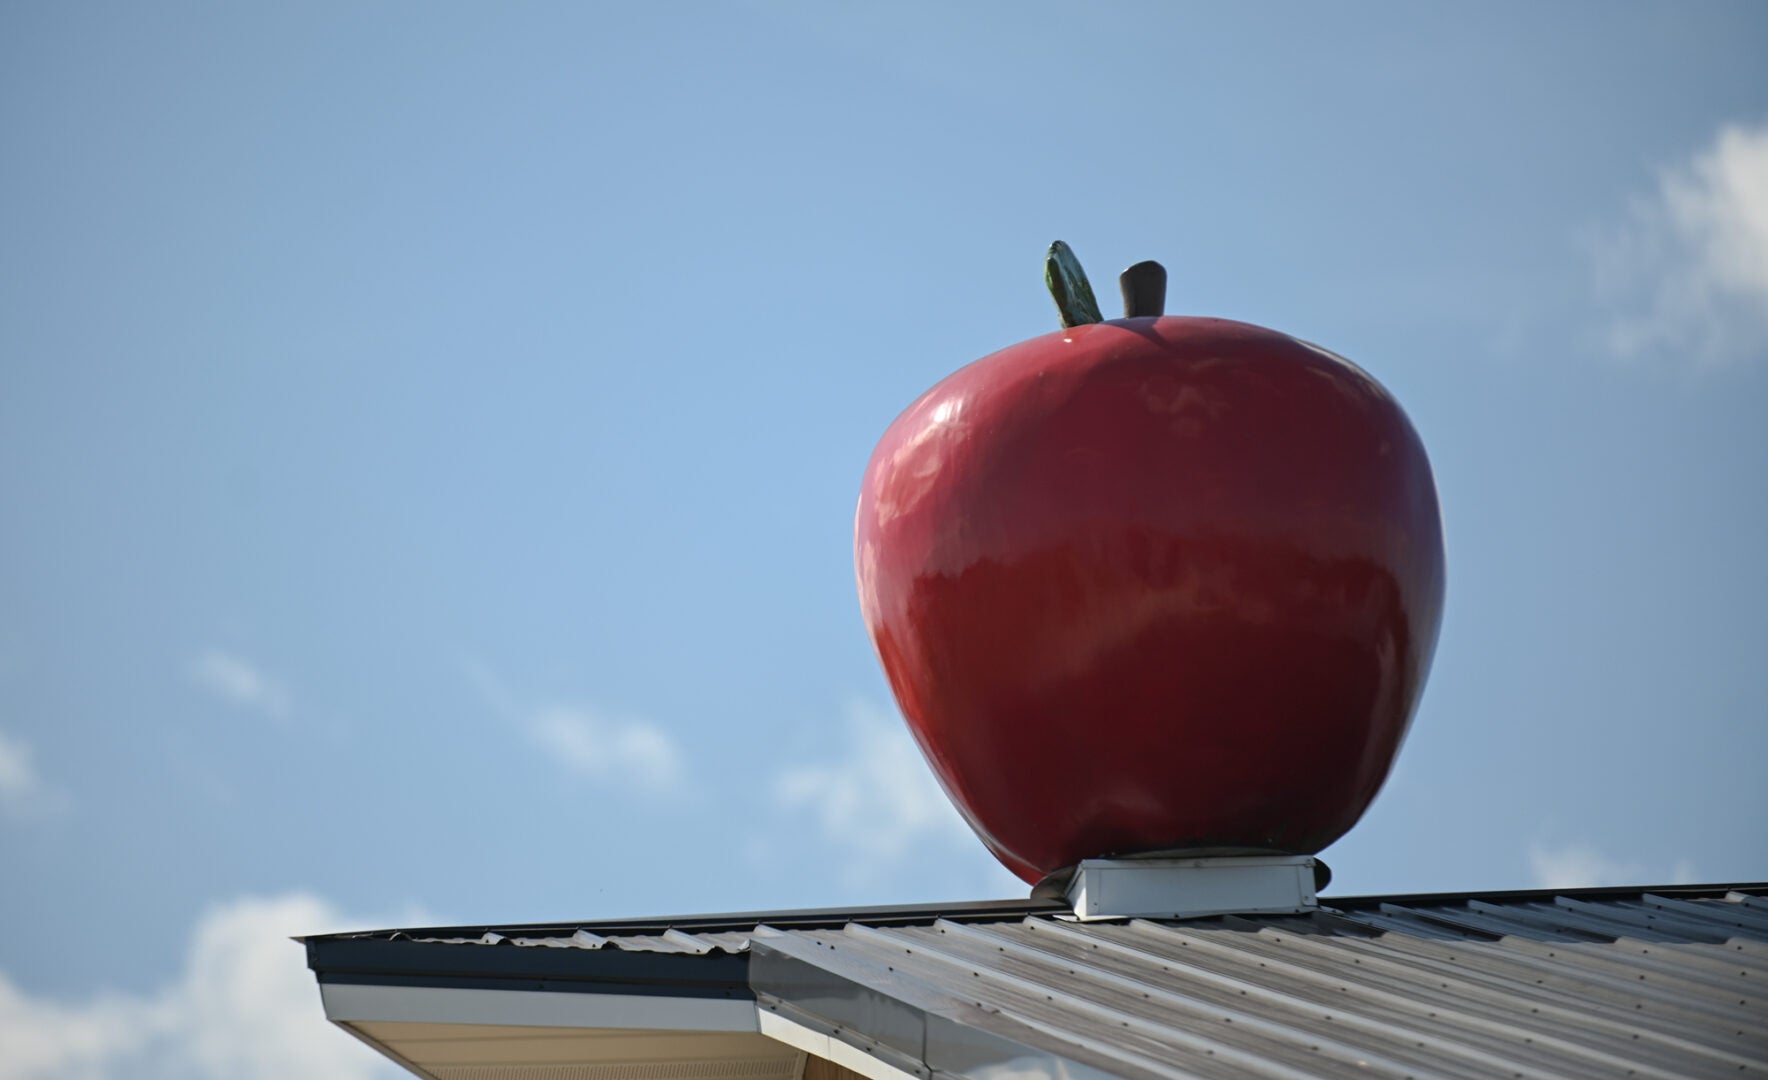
(1151, 585)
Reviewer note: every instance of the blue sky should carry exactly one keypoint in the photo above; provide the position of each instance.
(429, 437)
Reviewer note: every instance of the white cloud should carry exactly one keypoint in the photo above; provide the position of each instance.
(244, 1007)
(623, 750)
(1687, 273)
(628, 750)
(1578, 866)
(22, 791)
(239, 682)
(18, 777)
(878, 802)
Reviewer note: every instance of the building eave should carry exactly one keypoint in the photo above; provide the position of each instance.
(1553, 982)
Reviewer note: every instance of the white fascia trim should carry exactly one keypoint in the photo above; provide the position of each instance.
(829, 1048)
(347, 1003)
(352, 1002)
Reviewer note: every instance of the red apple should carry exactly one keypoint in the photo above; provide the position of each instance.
(1156, 584)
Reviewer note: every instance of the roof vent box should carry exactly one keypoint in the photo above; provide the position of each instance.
(1193, 888)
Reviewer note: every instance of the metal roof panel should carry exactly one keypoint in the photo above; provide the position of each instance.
(1659, 982)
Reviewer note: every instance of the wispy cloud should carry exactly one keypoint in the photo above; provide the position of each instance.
(1687, 272)
(239, 682)
(624, 750)
(243, 1007)
(1577, 866)
(18, 777)
(877, 801)
(23, 793)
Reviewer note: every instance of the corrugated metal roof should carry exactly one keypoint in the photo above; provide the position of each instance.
(1653, 986)
(692, 934)
(669, 941)
(1591, 983)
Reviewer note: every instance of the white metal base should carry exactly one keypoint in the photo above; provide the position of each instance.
(1192, 888)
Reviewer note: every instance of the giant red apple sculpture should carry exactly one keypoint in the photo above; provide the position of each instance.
(1156, 584)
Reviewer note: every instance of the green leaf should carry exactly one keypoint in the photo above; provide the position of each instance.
(1069, 287)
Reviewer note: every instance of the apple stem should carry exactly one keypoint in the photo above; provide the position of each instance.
(1144, 289)
(1069, 287)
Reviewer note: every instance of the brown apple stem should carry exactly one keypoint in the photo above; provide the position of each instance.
(1069, 287)
(1144, 290)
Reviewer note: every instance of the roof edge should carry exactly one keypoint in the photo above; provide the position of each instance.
(391, 962)
(972, 910)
